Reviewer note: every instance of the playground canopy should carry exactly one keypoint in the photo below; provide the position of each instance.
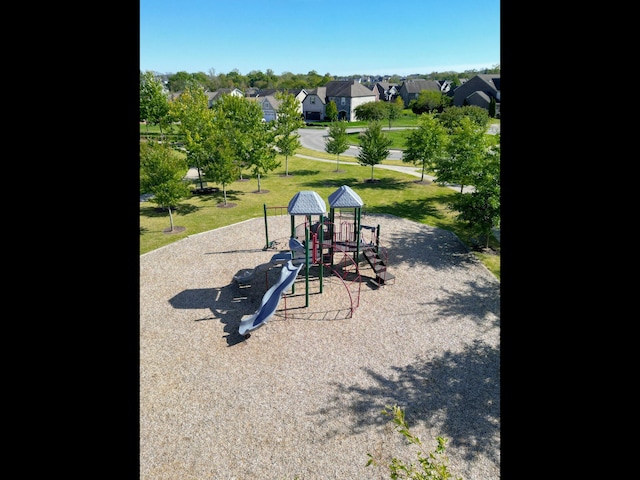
(345, 197)
(307, 202)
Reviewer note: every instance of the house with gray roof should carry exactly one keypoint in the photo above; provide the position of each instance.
(347, 95)
(214, 96)
(385, 91)
(410, 89)
(270, 104)
(479, 91)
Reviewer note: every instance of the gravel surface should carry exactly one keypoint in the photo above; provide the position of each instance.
(302, 397)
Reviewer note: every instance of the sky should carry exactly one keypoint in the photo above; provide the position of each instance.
(338, 37)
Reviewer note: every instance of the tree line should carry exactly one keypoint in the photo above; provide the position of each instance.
(176, 82)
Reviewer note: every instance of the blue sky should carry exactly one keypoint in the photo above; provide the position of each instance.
(339, 37)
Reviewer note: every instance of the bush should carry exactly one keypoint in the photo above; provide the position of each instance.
(432, 465)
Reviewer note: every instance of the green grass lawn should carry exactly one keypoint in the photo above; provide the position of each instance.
(396, 194)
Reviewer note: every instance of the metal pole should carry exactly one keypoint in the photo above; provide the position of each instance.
(321, 236)
(306, 266)
(357, 259)
(266, 226)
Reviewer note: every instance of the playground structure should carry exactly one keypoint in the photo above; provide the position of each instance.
(333, 243)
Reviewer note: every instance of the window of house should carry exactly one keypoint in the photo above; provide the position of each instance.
(313, 100)
(343, 101)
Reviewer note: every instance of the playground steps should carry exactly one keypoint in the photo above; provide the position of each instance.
(383, 276)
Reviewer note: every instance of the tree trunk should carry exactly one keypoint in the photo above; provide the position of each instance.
(259, 183)
(170, 218)
(199, 175)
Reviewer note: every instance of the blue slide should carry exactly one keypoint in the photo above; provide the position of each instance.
(271, 298)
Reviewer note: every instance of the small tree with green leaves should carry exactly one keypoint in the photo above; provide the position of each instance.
(331, 111)
(492, 107)
(431, 465)
(394, 109)
(162, 172)
(191, 109)
(288, 121)
(479, 210)
(374, 146)
(262, 156)
(451, 116)
(426, 144)
(154, 106)
(429, 101)
(466, 153)
(338, 141)
(252, 139)
(220, 165)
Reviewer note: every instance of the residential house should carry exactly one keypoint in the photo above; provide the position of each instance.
(213, 96)
(479, 91)
(270, 104)
(410, 89)
(385, 91)
(347, 95)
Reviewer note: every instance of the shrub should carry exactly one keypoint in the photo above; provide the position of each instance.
(431, 465)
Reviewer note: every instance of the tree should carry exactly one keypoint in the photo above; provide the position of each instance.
(178, 81)
(154, 106)
(288, 121)
(261, 157)
(331, 111)
(191, 109)
(162, 172)
(371, 111)
(492, 107)
(466, 152)
(451, 116)
(429, 101)
(374, 146)
(480, 209)
(220, 165)
(251, 139)
(338, 141)
(394, 109)
(426, 144)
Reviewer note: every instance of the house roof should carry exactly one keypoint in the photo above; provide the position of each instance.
(344, 197)
(493, 79)
(385, 85)
(307, 202)
(223, 91)
(275, 103)
(320, 92)
(419, 84)
(347, 88)
(272, 91)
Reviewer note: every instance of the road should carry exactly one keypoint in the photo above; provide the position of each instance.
(314, 139)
